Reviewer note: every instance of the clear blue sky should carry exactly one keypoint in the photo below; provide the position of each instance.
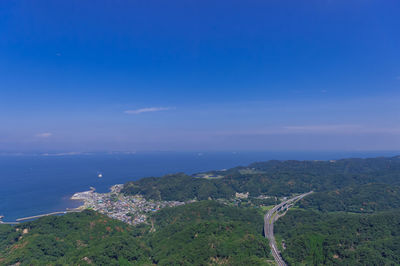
(199, 75)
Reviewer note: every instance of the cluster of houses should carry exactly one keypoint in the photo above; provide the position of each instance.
(129, 209)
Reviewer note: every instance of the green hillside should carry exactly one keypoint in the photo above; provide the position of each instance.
(315, 238)
(275, 178)
(195, 234)
(362, 199)
(356, 225)
(75, 238)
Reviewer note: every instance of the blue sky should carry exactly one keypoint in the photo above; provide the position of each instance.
(199, 75)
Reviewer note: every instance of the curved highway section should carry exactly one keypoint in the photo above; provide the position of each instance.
(274, 214)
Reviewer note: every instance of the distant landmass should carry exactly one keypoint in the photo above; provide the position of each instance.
(352, 218)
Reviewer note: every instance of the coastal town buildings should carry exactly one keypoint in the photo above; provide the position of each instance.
(129, 209)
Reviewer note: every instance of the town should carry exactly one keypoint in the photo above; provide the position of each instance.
(129, 209)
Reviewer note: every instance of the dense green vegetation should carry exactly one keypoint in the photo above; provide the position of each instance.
(316, 238)
(276, 178)
(195, 234)
(355, 225)
(179, 187)
(362, 199)
(208, 229)
(78, 238)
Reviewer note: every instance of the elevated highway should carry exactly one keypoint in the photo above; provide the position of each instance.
(274, 214)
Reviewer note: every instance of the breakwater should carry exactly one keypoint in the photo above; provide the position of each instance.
(46, 214)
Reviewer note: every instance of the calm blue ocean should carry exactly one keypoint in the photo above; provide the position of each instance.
(31, 185)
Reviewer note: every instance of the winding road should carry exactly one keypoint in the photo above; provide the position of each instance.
(274, 214)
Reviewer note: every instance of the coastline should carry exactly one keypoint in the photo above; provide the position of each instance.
(80, 197)
(44, 189)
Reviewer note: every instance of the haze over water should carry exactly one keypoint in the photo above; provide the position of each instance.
(31, 185)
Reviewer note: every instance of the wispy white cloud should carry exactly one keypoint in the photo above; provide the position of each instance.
(323, 128)
(147, 110)
(316, 129)
(44, 135)
(65, 153)
(343, 129)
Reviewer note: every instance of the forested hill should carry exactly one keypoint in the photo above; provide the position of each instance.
(276, 178)
(355, 225)
(201, 233)
(366, 198)
(339, 238)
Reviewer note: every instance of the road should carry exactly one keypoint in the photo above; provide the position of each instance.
(274, 214)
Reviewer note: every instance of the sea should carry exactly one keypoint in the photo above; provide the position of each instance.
(42, 183)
